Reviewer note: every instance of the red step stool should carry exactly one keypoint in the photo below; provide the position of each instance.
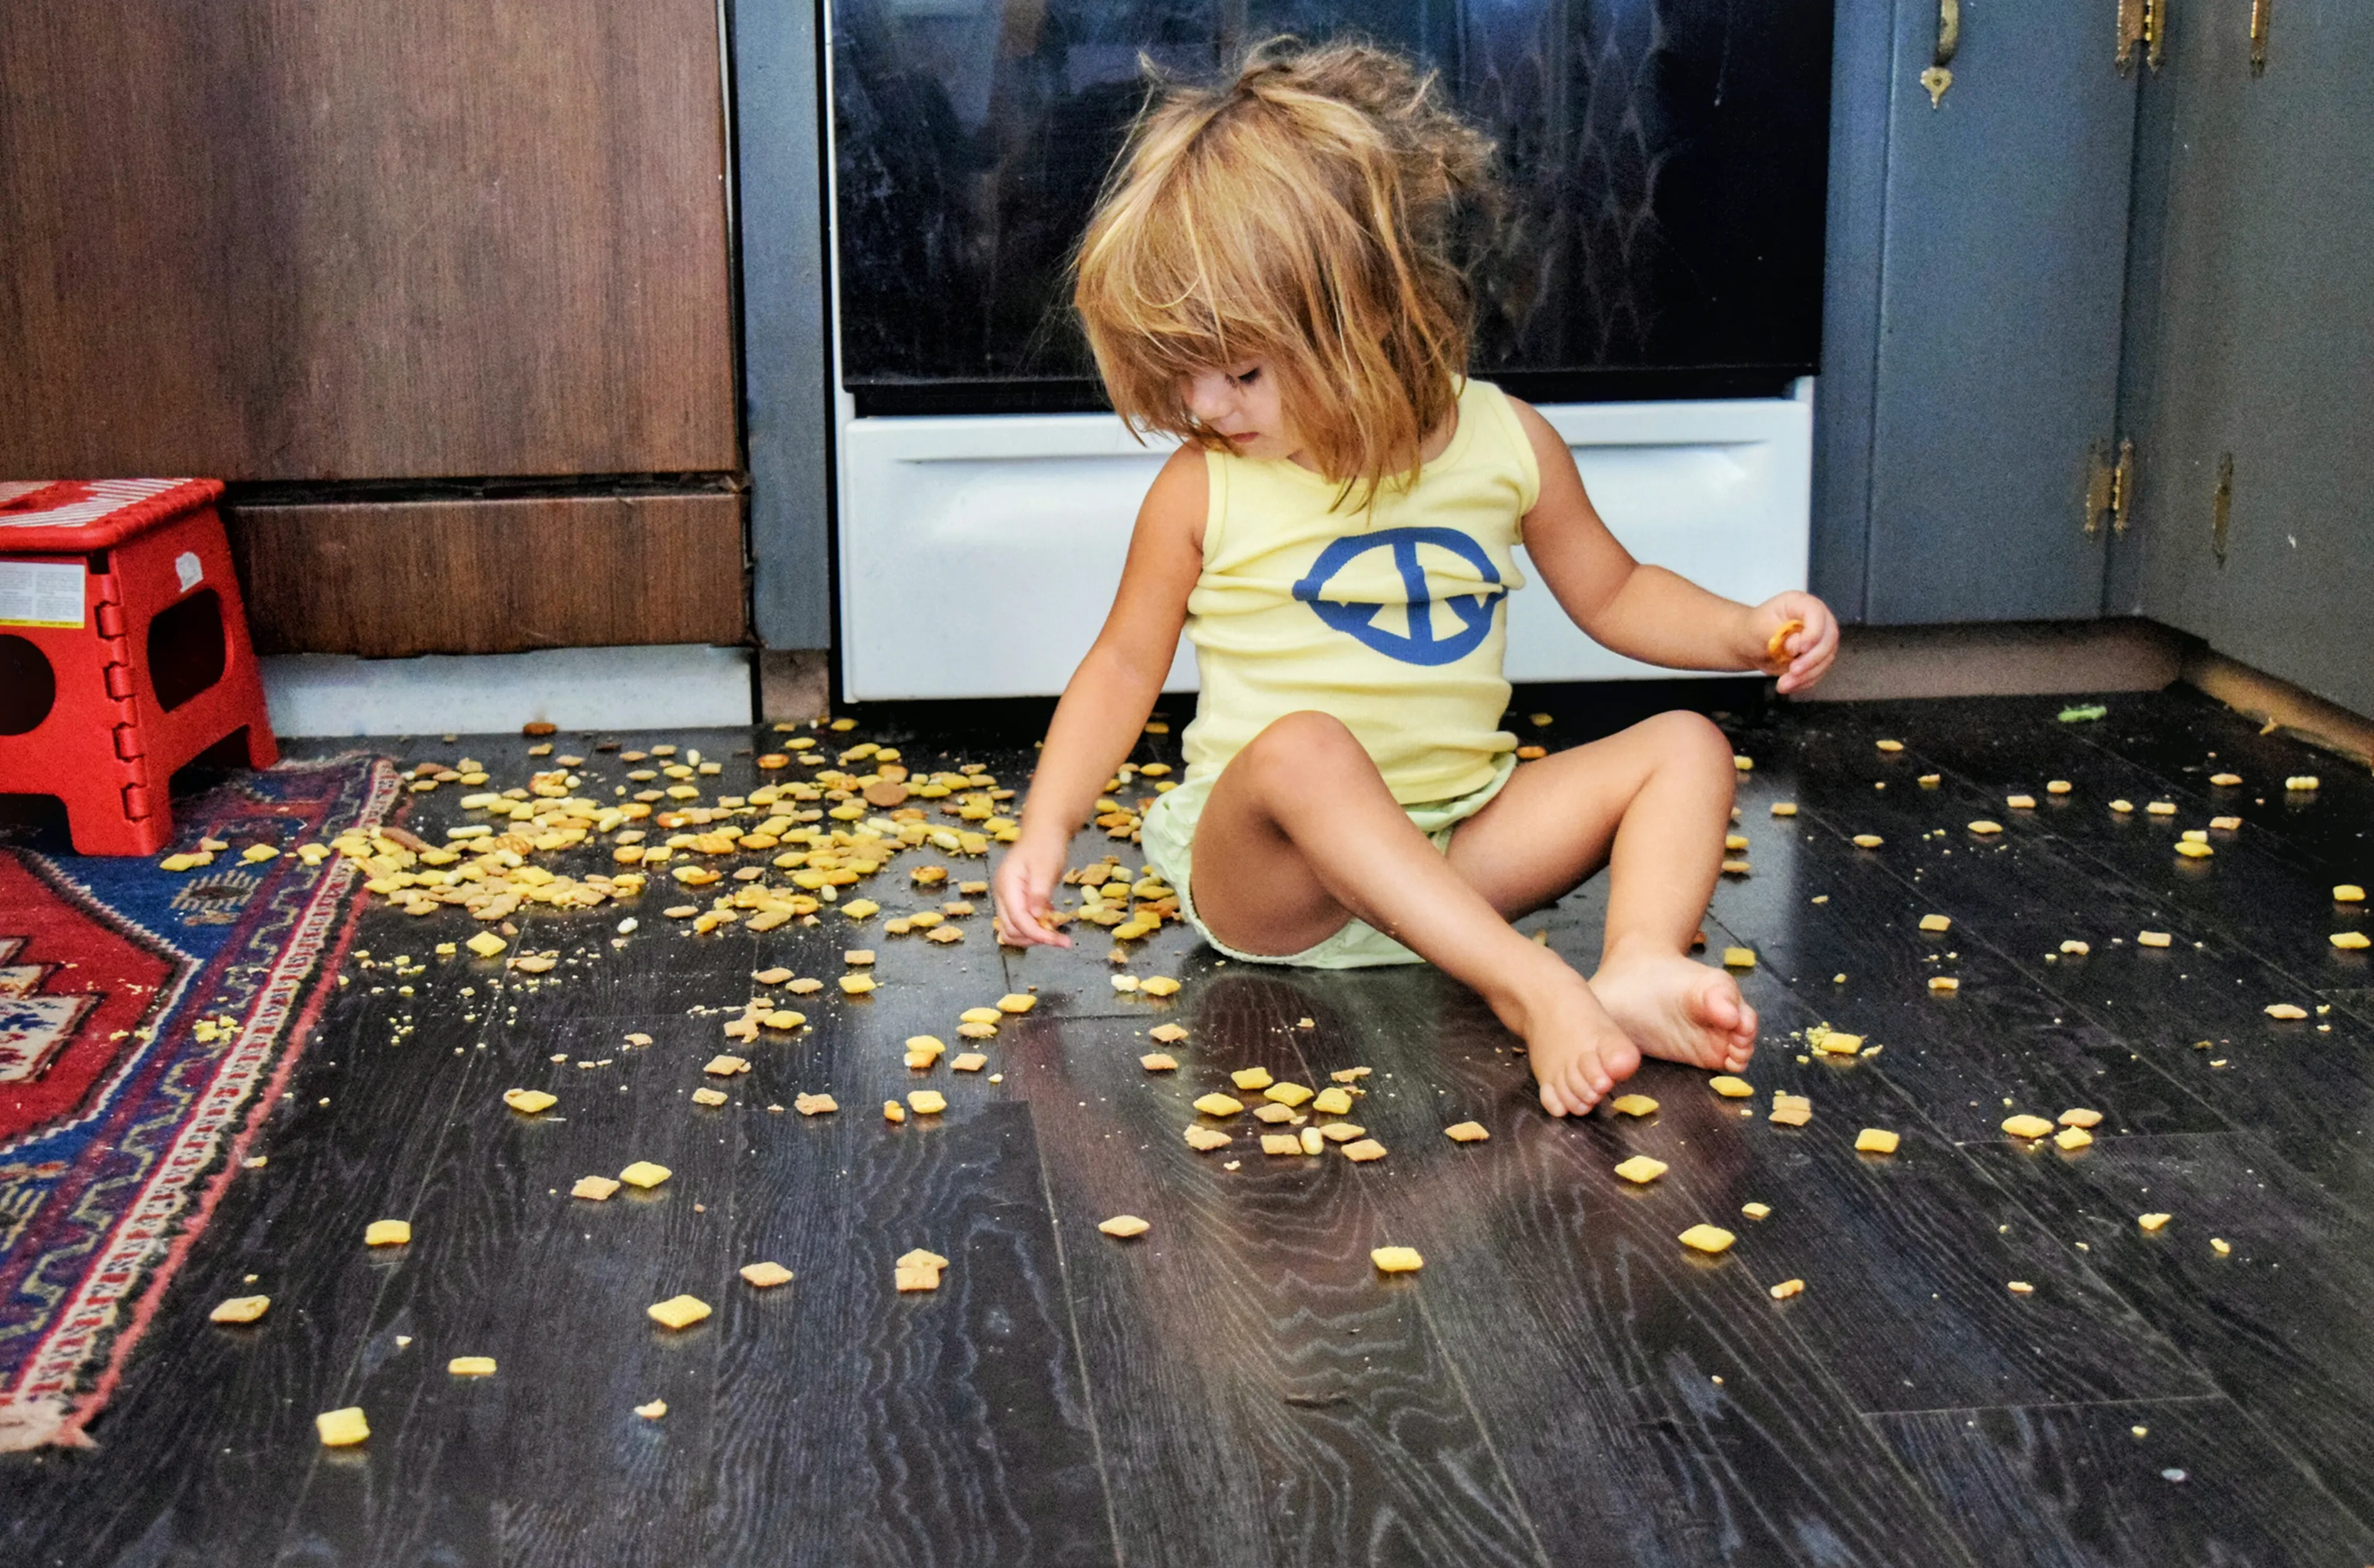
(124, 652)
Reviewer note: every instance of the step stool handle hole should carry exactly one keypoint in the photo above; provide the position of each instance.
(186, 648)
(28, 687)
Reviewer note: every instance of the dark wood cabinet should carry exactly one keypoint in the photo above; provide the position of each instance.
(315, 243)
(332, 239)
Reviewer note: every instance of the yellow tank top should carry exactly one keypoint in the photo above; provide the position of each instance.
(1390, 618)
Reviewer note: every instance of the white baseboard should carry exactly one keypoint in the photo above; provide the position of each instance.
(674, 687)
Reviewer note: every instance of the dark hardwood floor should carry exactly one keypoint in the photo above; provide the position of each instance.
(1561, 1384)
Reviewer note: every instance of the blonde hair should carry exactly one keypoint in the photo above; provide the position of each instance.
(1309, 214)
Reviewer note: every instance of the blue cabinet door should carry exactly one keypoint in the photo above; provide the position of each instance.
(2001, 279)
(2250, 374)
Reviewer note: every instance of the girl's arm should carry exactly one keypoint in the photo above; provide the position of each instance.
(1106, 703)
(1648, 612)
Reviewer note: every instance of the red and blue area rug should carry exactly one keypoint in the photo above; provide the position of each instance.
(148, 1020)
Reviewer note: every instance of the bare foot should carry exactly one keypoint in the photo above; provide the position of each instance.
(1577, 1052)
(1676, 1009)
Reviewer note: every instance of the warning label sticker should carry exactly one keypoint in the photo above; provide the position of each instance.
(41, 593)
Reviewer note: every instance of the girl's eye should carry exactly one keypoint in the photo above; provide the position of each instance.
(1248, 378)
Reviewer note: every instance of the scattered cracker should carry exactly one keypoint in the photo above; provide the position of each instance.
(1158, 1061)
(1984, 828)
(471, 1366)
(2220, 1245)
(1935, 923)
(645, 1174)
(928, 1102)
(767, 1275)
(1166, 1033)
(1280, 1143)
(971, 1061)
(2021, 1288)
(726, 1066)
(1273, 1113)
(1017, 1001)
(709, 1096)
(678, 1312)
(1708, 1239)
(528, 1102)
(387, 1233)
(342, 1428)
(814, 1104)
(2154, 1221)
(1251, 1079)
(2073, 1139)
(1218, 1104)
(598, 1189)
(2078, 1116)
(1785, 808)
(240, 1309)
(1334, 1100)
(1739, 958)
(1787, 1288)
(1875, 1140)
(653, 1410)
(1633, 1105)
(1731, 1088)
(1159, 985)
(1287, 1094)
(1364, 1150)
(2026, 1126)
(2153, 938)
(1944, 984)
(2284, 1010)
(1349, 1074)
(1756, 1211)
(1124, 1226)
(1641, 1170)
(1206, 1139)
(804, 986)
(1344, 1132)
(1396, 1260)
(1466, 1132)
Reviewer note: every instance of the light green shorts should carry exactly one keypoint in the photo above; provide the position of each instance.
(1169, 838)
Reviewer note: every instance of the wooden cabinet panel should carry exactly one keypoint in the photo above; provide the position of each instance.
(394, 579)
(338, 239)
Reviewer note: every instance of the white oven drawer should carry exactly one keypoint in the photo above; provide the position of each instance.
(979, 554)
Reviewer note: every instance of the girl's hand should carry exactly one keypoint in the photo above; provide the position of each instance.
(1801, 639)
(1023, 889)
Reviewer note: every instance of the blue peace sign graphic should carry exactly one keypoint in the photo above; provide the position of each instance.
(1420, 646)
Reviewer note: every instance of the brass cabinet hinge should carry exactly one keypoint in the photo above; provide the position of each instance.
(2142, 22)
(2109, 487)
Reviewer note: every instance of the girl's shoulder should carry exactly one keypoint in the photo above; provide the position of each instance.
(1524, 438)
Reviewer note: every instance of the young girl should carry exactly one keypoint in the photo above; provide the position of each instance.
(1269, 277)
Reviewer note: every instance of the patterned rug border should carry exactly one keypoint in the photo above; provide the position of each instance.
(147, 1244)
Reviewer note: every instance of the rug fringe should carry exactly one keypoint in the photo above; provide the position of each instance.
(40, 1423)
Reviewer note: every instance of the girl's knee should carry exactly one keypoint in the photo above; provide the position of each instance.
(1300, 739)
(1693, 741)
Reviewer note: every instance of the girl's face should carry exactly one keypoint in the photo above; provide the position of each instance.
(1240, 402)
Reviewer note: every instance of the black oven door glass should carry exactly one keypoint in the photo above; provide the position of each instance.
(1665, 158)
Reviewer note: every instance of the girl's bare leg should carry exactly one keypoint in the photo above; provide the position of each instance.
(1300, 835)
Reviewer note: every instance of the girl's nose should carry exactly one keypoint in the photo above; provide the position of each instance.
(1208, 397)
